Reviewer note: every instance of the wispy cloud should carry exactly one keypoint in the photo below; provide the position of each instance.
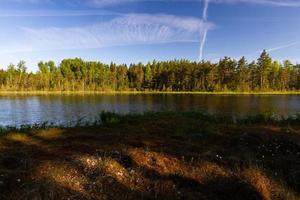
(123, 30)
(282, 47)
(253, 55)
(287, 3)
(55, 13)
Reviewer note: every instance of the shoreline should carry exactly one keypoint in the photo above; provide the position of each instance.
(3, 93)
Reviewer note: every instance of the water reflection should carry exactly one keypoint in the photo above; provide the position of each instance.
(16, 110)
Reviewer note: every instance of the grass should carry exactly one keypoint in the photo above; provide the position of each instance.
(154, 156)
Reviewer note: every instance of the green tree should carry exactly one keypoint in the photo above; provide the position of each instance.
(264, 64)
(148, 76)
(243, 75)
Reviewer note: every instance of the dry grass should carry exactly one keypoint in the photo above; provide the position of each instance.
(165, 157)
(259, 181)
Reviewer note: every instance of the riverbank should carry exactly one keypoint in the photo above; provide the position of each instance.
(155, 155)
(3, 93)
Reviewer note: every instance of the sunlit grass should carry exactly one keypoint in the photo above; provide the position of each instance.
(50, 133)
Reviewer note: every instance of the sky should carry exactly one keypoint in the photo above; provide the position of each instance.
(125, 31)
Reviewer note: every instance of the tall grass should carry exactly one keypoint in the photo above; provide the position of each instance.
(266, 118)
(111, 118)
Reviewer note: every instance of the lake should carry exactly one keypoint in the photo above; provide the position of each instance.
(61, 109)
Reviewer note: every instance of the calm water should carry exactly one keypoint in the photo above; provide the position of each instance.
(16, 110)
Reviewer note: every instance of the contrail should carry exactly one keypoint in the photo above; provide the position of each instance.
(282, 47)
(204, 32)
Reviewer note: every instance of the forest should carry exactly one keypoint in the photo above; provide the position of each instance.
(264, 74)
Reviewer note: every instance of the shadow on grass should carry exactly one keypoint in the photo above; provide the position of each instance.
(156, 158)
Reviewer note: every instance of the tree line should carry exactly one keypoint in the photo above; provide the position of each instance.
(228, 74)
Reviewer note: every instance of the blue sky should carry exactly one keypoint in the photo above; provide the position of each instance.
(127, 31)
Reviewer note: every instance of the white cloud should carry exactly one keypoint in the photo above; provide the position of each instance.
(123, 30)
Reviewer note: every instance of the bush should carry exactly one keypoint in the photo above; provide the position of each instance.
(110, 118)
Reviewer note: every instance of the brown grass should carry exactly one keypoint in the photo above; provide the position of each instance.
(159, 158)
(259, 181)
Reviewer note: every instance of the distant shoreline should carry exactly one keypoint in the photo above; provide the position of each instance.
(141, 92)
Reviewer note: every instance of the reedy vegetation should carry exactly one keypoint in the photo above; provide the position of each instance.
(110, 118)
(263, 75)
